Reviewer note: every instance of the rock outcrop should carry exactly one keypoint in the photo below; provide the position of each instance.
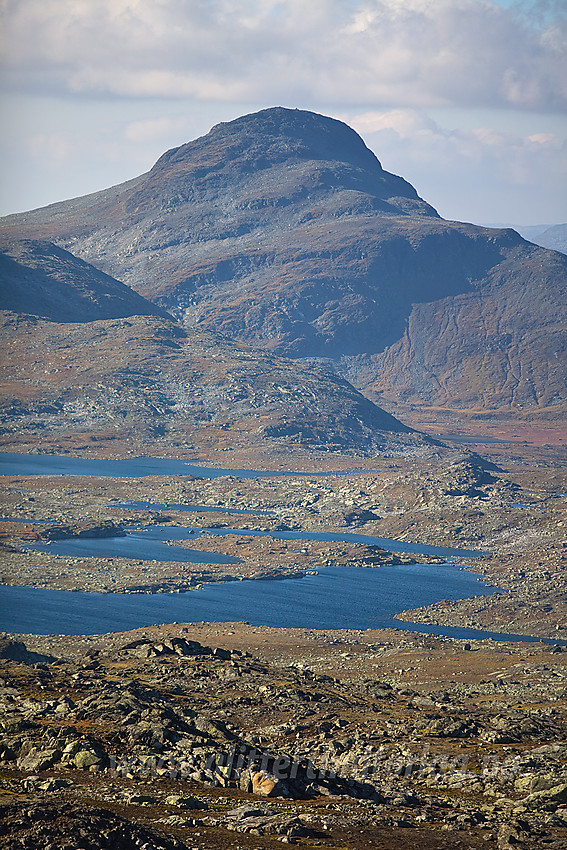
(200, 744)
(83, 530)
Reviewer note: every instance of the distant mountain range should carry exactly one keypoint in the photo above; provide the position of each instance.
(282, 230)
(553, 236)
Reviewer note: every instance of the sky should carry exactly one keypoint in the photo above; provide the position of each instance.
(466, 99)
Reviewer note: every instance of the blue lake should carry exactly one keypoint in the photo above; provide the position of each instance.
(143, 544)
(338, 597)
(13, 463)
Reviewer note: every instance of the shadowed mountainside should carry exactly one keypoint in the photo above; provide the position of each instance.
(282, 230)
(41, 279)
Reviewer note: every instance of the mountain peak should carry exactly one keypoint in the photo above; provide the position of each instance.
(282, 230)
(284, 155)
(277, 134)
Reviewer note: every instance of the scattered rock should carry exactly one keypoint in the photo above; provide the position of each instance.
(547, 800)
(83, 530)
(85, 759)
(265, 784)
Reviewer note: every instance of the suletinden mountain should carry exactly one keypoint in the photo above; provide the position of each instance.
(281, 229)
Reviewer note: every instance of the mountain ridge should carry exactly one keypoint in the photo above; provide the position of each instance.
(282, 230)
(148, 382)
(42, 279)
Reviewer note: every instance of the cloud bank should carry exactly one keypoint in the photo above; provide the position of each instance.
(403, 53)
(495, 175)
(464, 98)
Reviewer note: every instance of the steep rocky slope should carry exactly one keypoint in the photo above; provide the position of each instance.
(281, 229)
(41, 279)
(499, 346)
(149, 381)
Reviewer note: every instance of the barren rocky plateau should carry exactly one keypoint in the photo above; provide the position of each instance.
(227, 735)
(182, 735)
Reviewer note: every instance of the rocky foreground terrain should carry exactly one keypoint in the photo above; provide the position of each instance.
(231, 735)
(215, 736)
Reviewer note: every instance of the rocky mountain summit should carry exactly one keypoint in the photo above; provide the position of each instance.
(282, 229)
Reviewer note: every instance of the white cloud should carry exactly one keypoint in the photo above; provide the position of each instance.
(414, 53)
(53, 148)
(480, 173)
(150, 129)
(103, 87)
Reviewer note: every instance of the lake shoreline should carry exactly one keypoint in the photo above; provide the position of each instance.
(281, 607)
(397, 503)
